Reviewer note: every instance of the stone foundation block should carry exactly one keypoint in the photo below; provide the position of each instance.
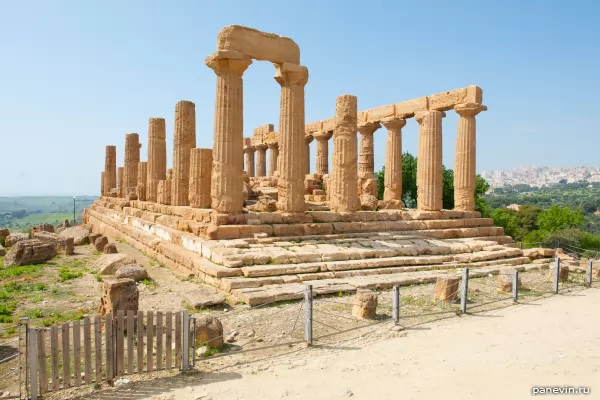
(446, 289)
(365, 305)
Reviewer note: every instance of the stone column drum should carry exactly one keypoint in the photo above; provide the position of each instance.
(429, 167)
(249, 157)
(366, 159)
(322, 138)
(163, 191)
(120, 183)
(393, 160)
(344, 176)
(465, 177)
(184, 140)
(290, 183)
(308, 139)
(102, 184)
(142, 179)
(261, 160)
(132, 158)
(157, 156)
(226, 188)
(200, 174)
(273, 156)
(110, 169)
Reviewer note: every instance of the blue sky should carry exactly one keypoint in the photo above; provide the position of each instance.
(77, 75)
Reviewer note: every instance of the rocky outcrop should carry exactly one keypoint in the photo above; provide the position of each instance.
(30, 251)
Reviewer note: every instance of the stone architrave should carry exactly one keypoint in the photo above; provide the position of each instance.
(184, 140)
(366, 159)
(249, 150)
(132, 158)
(308, 139)
(157, 156)
(344, 177)
(261, 159)
(322, 161)
(142, 179)
(226, 188)
(393, 160)
(273, 156)
(292, 78)
(110, 169)
(429, 167)
(200, 175)
(465, 178)
(120, 183)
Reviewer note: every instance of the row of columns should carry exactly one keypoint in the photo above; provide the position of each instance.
(255, 158)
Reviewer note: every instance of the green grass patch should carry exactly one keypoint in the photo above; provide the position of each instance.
(55, 317)
(65, 274)
(29, 271)
(98, 277)
(13, 287)
(211, 351)
(6, 311)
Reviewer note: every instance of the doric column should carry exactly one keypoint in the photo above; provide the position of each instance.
(184, 140)
(163, 191)
(322, 138)
(393, 159)
(464, 163)
(142, 174)
(249, 156)
(292, 79)
(102, 184)
(366, 159)
(200, 174)
(344, 176)
(157, 156)
(120, 183)
(261, 159)
(110, 169)
(308, 139)
(132, 158)
(226, 187)
(273, 156)
(429, 166)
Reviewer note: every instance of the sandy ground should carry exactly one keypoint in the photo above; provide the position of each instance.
(497, 355)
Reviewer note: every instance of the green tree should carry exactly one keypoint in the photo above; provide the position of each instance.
(507, 218)
(409, 180)
(481, 188)
(555, 218)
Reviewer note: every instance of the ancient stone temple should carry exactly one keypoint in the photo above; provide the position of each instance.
(249, 216)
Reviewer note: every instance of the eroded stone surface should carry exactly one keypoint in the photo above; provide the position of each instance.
(29, 251)
(118, 294)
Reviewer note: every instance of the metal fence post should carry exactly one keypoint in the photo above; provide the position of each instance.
(193, 321)
(308, 314)
(185, 359)
(24, 321)
(589, 273)
(556, 273)
(396, 303)
(464, 291)
(515, 286)
(33, 378)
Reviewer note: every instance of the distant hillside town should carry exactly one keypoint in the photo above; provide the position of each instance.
(541, 176)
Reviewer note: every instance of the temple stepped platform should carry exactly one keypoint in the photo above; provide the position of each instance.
(264, 260)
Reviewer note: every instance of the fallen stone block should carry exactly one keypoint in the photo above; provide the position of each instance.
(80, 234)
(15, 237)
(365, 305)
(132, 271)
(30, 251)
(62, 244)
(209, 330)
(108, 264)
(118, 294)
(446, 289)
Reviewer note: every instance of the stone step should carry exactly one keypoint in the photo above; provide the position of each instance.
(292, 291)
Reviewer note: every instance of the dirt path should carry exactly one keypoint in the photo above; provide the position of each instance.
(498, 355)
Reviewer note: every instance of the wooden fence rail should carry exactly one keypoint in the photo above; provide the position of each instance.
(111, 348)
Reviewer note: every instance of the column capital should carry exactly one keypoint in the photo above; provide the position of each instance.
(393, 123)
(419, 116)
(273, 145)
(319, 136)
(368, 128)
(249, 149)
(261, 146)
(308, 138)
(469, 109)
(228, 62)
(288, 74)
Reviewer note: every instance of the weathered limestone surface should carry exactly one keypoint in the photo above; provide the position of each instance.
(366, 156)
(307, 139)
(132, 159)
(132, 271)
(142, 176)
(322, 138)
(343, 181)
(446, 289)
(429, 168)
(365, 305)
(110, 169)
(102, 192)
(42, 228)
(184, 141)
(209, 330)
(249, 151)
(79, 234)
(200, 177)
(120, 183)
(290, 184)
(393, 159)
(30, 251)
(14, 238)
(118, 294)
(226, 190)
(157, 156)
(163, 191)
(108, 264)
(62, 244)
(505, 279)
(273, 156)
(464, 162)
(261, 160)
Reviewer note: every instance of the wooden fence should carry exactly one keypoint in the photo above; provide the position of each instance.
(129, 343)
